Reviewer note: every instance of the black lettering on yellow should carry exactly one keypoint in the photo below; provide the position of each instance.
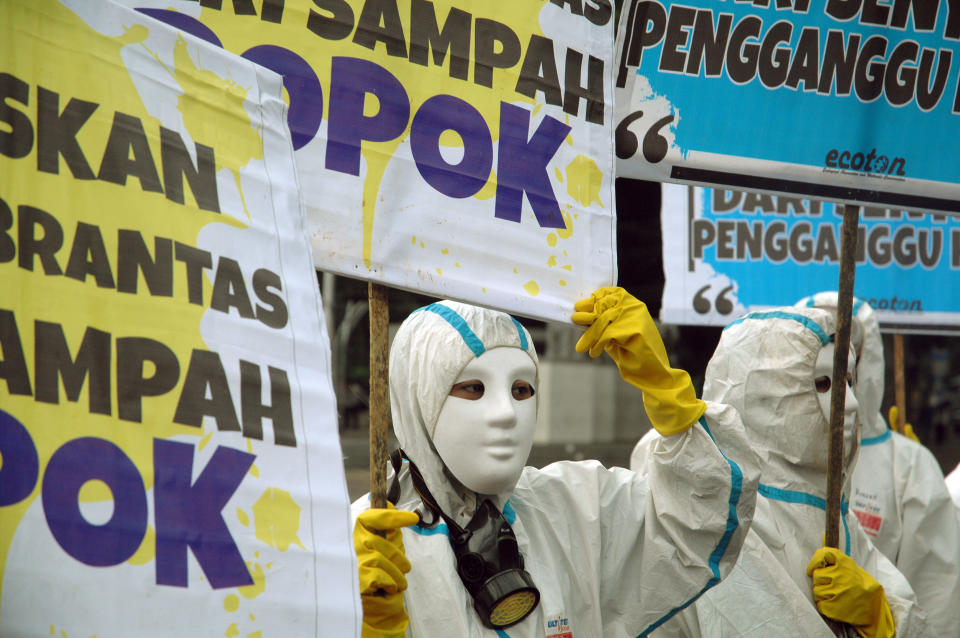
(133, 256)
(195, 260)
(53, 363)
(127, 136)
(57, 133)
(132, 384)
(490, 36)
(88, 256)
(13, 365)
(18, 141)
(380, 22)
(44, 246)
(205, 376)
(454, 38)
(336, 26)
(8, 248)
(177, 164)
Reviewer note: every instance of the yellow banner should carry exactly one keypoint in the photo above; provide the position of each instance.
(156, 291)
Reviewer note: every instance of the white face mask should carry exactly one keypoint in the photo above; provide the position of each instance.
(485, 428)
(823, 380)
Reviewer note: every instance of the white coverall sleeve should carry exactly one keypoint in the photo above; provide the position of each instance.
(929, 553)
(668, 536)
(702, 497)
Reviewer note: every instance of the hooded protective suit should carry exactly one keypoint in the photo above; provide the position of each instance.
(898, 492)
(764, 368)
(613, 554)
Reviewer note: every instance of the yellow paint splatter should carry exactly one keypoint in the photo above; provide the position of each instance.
(254, 634)
(565, 254)
(422, 245)
(569, 140)
(269, 565)
(203, 442)
(515, 271)
(584, 180)
(243, 518)
(63, 632)
(567, 267)
(457, 264)
(445, 251)
(567, 231)
(259, 582)
(439, 272)
(532, 288)
(559, 174)
(256, 554)
(231, 603)
(552, 261)
(414, 240)
(249, 446)
(232, 631)
(202, 88)
(147, 550)
(552, 239)
(484, 290)
(94, 491)
(53, 632)
(562, 282)
(254, 470)
(277, 518)
(252, 617)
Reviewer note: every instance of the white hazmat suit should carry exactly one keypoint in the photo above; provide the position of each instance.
(613, 554)
(764, 368)
(898, 492)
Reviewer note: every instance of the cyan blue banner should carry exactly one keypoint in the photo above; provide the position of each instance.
(729, 252)
(845, 100)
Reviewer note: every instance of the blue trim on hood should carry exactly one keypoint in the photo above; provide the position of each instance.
(809, 323)
(873, 440)
(523, 336)
(733, 522)
(460, 325)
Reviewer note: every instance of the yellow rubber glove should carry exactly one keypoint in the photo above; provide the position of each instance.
(846, 593)
(894, 422)
(382, 566)
(620, 324)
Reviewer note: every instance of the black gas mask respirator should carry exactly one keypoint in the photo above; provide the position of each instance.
(488, 559)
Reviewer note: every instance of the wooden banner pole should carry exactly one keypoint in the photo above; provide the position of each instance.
(379, 395)
(848, 249)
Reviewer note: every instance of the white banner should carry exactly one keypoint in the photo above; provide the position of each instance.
(456, 148)
(168, 432)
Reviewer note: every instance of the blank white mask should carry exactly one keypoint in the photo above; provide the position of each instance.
(824, 368)
(485, 428)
